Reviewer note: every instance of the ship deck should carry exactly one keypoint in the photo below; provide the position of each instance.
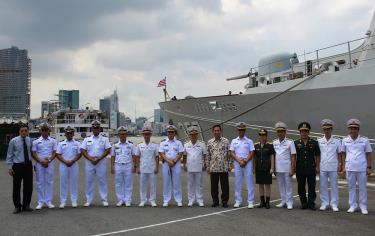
(98, 220)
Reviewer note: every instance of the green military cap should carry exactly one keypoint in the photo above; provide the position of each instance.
(280, 126)
(95, 123)
(353, 123)
(146, 129)
(326, 123)
(241, 126)
(304, 126)
(171, 128)
(45, 125)
(69, 129)
(193, 129)
(262, 132)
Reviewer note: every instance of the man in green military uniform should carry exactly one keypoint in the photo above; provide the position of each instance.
(307, 165)
(264, 163)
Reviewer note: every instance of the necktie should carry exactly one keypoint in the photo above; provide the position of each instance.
(25, 151)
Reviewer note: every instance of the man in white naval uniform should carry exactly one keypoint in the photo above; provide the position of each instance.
(171, 151)
(68, 152)
(44, 152)
(147, 154)
(330, 157)
(285, 156)
(242, 150)
(95, 149)
(194, 162)
(357, 158)
(123, 166)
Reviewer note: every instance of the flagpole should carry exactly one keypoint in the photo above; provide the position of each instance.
(165, 89)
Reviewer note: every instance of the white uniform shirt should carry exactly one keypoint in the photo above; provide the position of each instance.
(242, 147)
(195, 156)
(171, 148)
(283, 152)
(356, 153)
(147, 154)
(329, 152)
(123, 152)
(68, 149)
(44, 147)
(95, 145)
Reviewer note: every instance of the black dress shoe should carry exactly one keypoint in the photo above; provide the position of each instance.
(304, 206)
(225, 205)
(312, 207)
(27, 209)
(215, 205)
(17, 210)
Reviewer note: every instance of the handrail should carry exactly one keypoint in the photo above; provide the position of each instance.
(317, 52)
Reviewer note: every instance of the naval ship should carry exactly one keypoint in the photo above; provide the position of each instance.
(283, 88)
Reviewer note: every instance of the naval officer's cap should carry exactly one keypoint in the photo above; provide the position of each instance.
(171, 128)
(280, 126)
(262, 132)
(122, 128)
(193, 129)
(95, 124)
(304, 126)
(353, 123)
(69, 129)
(241, 126)
(44, 125)
(327, 123)
(146, 129)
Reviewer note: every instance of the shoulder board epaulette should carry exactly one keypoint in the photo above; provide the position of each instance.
(130, 141)
(269, 142)
(257, 143)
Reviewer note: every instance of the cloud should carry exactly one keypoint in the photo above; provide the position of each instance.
(96, 46)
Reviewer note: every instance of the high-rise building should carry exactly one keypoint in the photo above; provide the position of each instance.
(15, 83)
(69, 99)
(158, 116)
(110, 105)
(105, 105)
(140, 122)
(49, 107)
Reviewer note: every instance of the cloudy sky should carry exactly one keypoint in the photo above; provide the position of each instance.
(99, 45)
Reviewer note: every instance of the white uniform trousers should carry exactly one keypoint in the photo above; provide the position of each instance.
(146, 179)
(195, 186)
(68, 179)
(247, 173)
(359, 177)
(44, 182)
(124, 182)
(323, 181)
(172, 180)
(284, 182)
(98, 170)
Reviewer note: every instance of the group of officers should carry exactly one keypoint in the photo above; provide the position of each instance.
(305, 157)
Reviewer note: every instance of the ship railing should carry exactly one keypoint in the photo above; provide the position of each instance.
(350, 50)
(79, 121)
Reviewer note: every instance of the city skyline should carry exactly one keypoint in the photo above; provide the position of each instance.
(97, 46)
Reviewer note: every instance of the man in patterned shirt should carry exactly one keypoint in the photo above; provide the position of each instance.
(219, 163)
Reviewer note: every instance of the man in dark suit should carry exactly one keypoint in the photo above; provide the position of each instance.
(20, 168)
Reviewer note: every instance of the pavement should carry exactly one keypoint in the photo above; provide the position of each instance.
(112, 220)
